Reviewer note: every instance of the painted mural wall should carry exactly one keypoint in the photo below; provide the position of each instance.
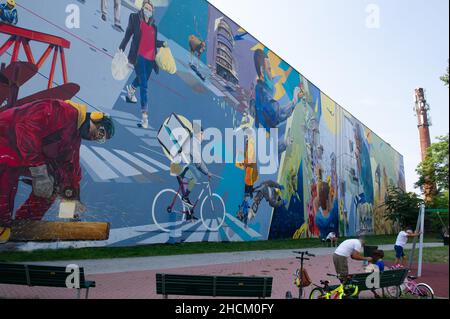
(331, 173)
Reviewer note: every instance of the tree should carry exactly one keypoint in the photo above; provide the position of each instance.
(434, 169)
(444, 78)
(402, 208)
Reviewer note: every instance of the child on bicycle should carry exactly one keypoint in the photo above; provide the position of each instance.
(186, 171)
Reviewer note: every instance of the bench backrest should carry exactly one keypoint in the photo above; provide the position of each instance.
(215, 286)
(388, 278)
(30, 275)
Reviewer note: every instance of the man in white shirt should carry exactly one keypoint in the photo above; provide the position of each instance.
(402, 240)
(349, 248)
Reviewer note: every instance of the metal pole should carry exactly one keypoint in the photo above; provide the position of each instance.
(422, 228)
(411, 256)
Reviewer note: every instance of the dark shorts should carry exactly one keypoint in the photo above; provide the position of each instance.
(399, 251)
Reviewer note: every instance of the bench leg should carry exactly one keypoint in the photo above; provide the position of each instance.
(78, 293)
(87, 293)
(165, 297)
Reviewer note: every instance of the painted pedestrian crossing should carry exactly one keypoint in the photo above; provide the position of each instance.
(111, 165)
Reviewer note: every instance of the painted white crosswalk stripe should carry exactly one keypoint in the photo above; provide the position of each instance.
(154, 162)
(101, 169)
(214, 235)
(239, 224)
(195, 237)
(142, 133)
(124, 168)
(137, 161)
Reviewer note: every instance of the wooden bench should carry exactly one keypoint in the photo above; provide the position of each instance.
(40, 276)
(388, 278)
(213, 286)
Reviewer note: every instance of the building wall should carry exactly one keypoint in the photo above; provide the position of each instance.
(335, 173)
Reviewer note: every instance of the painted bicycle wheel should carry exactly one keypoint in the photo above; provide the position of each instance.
(212, 212)
(167, 210)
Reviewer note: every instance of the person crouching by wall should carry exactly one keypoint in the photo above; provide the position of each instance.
(142, 27)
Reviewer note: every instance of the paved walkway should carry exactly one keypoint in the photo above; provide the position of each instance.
(135, 278)
(107, 266)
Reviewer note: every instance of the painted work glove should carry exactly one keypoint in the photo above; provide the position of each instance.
(43, 183)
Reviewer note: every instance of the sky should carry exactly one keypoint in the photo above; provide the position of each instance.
(368, 56)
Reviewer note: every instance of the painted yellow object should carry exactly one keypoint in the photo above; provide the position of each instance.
(329, 113)
(82, 110)
(5, 233)
(165, 61)
(97, 116)
(301, 232)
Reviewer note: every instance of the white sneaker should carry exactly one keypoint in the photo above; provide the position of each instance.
(131, 94)
(144, 121)
(251, 214)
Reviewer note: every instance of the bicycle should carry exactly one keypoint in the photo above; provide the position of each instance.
(347, 289)
(411, 287)
(299, 281)
(165, 217)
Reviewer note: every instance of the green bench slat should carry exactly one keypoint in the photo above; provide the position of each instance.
(44, 276)
(204, 286)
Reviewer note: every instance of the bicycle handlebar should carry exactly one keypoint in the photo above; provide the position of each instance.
(304, 253)
(301, 258)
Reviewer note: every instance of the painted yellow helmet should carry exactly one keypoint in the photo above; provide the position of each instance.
(11, 2)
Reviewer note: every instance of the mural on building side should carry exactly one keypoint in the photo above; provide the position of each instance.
(190, 69)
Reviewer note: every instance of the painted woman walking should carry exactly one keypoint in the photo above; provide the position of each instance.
(142, 55)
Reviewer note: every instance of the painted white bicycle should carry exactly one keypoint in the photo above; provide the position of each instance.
(169, 210)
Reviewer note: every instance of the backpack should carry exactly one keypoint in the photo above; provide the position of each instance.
(306, 279)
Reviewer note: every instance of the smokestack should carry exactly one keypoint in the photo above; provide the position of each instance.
(424, 122)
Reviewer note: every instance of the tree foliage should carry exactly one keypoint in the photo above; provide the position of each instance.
(444, 78)
(402, 208)
(434, 169)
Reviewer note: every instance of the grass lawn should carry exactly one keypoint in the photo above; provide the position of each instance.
(178, 249)
(430, 255)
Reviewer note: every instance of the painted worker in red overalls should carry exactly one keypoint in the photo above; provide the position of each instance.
(41, 140)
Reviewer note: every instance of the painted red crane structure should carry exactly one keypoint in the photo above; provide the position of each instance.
(22, 37)
(17, 73)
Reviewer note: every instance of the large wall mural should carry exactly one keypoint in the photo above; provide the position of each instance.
(329, 171)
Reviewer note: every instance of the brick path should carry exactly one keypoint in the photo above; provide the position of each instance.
(141, 284)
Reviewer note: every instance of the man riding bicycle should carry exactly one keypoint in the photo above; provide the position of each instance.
(186, 168)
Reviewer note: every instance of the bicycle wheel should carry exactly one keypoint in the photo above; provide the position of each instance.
(317, 293)
(213, 214)
(423, 291)
(165, 217)
(393, 292)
